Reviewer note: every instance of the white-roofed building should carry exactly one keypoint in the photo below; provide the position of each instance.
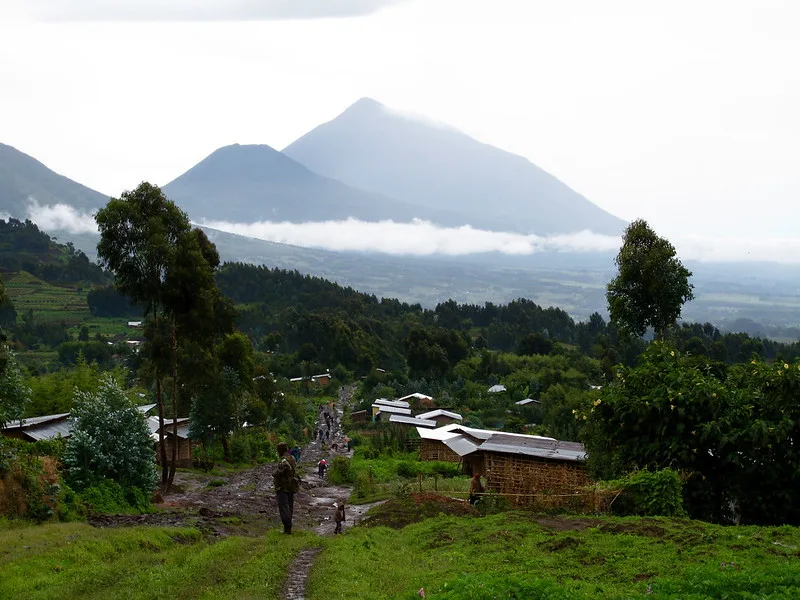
(441, 416)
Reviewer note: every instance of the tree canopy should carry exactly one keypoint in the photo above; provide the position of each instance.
(652, 284)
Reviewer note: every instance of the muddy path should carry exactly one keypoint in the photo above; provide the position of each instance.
(243, 502)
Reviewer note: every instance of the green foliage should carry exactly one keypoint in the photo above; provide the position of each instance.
(108, 496)
(729, 434)
(28, 485)
(14, 394)
(110, 440)
(648, 493)
(339, 470)
(652, 284)
(251, 446)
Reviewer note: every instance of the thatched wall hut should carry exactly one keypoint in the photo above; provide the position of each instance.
(534, 470)
(437, 450)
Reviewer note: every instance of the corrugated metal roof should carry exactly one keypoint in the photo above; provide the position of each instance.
(417, 395)
(412, 421)
(145, 408)
(31, 421)
(439, 412)
(526, 402)
(395, 403)
(439, 434)
(49, 430)
(392, 410)
(497, 388)
(461, 445)
(539, 447)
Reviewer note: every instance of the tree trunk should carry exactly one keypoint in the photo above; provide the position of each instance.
(161, 437)
(171, 475)
(226, 448)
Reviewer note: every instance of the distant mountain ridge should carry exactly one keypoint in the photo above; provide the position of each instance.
(24, 179)
(373, 148)
(247, 183)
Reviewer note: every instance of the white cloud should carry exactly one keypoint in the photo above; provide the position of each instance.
(201, 10)
(422, 238)
(61, 217)
(417, 238)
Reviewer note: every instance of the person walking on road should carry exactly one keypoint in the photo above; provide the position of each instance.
(322, 466)
(287, 484)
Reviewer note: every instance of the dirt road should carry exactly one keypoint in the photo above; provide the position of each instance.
(243, 502)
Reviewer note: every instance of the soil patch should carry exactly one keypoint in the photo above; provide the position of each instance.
(401, 512)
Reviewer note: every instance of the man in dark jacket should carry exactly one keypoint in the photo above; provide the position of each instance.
(287, 483)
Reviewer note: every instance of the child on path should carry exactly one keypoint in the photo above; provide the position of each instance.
(339, 518)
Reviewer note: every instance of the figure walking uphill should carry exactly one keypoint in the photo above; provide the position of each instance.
(287, 484)
(339, 518)
(321, 467)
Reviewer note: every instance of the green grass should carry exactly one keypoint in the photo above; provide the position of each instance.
(510, 555)
(507, 555)
(66, 561)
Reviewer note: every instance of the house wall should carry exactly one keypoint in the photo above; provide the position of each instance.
(184, 451)
(518, 474)
(436, 450)
(14, 434)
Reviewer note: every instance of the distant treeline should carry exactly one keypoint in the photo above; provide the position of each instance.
(327, 324)
(23, 247)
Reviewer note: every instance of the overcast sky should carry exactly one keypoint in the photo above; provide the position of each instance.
(685, 113)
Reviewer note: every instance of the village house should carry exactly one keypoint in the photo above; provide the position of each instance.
(527, 402)
(384, 412)
(184, 443)
(441, 416)
(376, 406)
(517, 465)
(47, 427)
(406, 421)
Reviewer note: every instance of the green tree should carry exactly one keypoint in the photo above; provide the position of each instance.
(141, 234)
(14, 394)
(652, 284)
(110, 440)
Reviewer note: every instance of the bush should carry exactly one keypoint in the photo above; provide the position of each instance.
(107, 496)
(339, 471)
(110, 440)
(29, 487)
(649, 493)
(407, 469)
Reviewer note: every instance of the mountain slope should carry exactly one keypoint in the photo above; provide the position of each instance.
(246, 183)
(372, 148)
(23, 178)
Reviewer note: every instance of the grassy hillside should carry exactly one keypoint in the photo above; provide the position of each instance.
(507, 555)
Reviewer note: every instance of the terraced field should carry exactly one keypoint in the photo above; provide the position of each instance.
(47, 301)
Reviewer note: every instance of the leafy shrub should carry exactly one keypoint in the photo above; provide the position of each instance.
(364, 484)
(407, 469)
(29, 487)
(241, 451)
(339, 471)
(490, 504)
(649, 493)
(110, 440)
(203, 458)
(108, 496)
